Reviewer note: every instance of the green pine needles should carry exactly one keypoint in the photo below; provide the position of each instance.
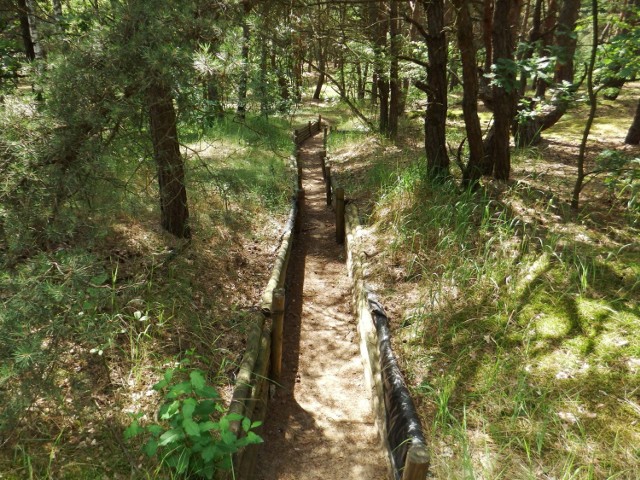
(187, 440)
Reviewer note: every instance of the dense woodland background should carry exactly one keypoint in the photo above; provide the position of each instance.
(492, 146)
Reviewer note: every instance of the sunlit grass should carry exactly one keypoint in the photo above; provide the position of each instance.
(518, 332)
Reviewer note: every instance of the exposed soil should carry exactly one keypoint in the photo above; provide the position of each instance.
(319, 425)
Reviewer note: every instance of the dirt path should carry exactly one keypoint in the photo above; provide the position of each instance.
(319, 425)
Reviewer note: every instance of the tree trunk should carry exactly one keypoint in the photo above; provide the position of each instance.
(575, 199)
(566, 40)
(38, 51)
(503, 111)
(321, 68)
(633, 135)
(436, 114)
(174, 211)
(23, 13)
(464, 24)
(215, 110)
(244, 71)
(394, 78)
(548, 27)
(264, 94)
(487, 28)
(382, 76)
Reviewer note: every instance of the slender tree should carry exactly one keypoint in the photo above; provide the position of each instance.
(436, 89)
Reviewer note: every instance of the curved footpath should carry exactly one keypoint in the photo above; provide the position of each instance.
(319, 425)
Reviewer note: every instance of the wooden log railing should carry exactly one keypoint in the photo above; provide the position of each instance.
(310, 129)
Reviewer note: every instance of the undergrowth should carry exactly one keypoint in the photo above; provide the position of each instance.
(97, 302)
(516, 321)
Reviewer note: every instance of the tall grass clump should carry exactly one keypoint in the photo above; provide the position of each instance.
(520, 340)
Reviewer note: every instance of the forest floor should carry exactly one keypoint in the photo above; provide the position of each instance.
(319, 425)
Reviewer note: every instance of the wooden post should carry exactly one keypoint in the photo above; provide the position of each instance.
(324, 140)
(340, 215)
(277, 314)
(299, 177)
(323, 158)
(416, 464)
(327, 184)
(300, 202)
(309, 127)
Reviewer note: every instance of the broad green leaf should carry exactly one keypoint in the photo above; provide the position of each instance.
(180, 389)
(256, 424)
(252, 438)
(188, 406)
(228, 437)
(197, 380)
(205, 408)
(233, 417)
(170, 410)
(160, 385)
(133, 430)
(208, 392)
(168, 375)
(191, 427)
(209, 425)
(155, 430)
(151, 447)
(246, 424)
(210, 453)
(170, 436)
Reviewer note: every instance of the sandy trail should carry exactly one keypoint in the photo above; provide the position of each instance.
(319, 425)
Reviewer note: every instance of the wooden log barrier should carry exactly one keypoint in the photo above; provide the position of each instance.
(417, 463)
(323, 161)
(277, 313)
(340, 215)
(300, 201)
(327, 184)
(324, 139)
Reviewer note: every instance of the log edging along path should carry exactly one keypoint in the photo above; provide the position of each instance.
(398, 425)
(396, 417)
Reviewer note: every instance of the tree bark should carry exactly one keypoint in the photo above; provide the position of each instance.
(380, 45)
(174, 211)
(321, 67)
(503, 105)
(633, 135)
(575, 199)
(464, 30)
(244, 71)
(25, 30)
(436, 114)
(566, 41)
(487, 28)
(394, 76)
(38, 51)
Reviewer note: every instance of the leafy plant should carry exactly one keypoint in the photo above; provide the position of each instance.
(188, 440)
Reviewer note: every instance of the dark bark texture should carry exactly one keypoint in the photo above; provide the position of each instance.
(174, 211)
(436, 114)
(633, 135)
(464, 25)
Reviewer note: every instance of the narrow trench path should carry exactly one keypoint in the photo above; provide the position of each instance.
(319, 425)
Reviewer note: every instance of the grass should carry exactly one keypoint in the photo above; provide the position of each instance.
(516, 320)
(90, 323)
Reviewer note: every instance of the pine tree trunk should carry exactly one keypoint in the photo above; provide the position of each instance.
(174, 211)
(25, 30)
(467, 49)
(566, 40)
(503, 112)
(633, 135)
(394, 77)
(244, 71)
(34, 29)
(381, 73)
(321, 68)
(436, 114)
